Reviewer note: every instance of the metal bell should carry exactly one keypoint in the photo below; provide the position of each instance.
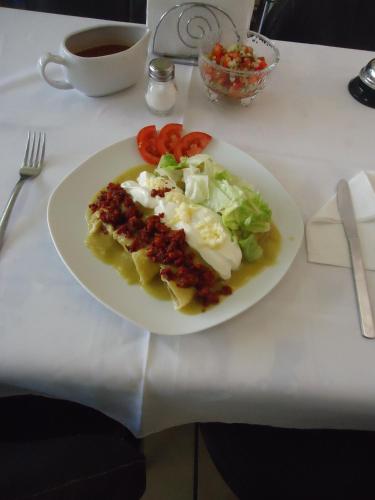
(362, 87)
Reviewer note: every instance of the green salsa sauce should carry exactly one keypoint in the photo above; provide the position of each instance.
(109, 251)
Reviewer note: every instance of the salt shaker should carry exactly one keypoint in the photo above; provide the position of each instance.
(161, 90)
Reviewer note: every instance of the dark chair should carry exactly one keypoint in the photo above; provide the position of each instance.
(267, 463)
(260, 463)
(58, 450)
(115, 10)
(340, 23)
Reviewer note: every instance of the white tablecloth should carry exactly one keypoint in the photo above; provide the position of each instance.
(296, 358)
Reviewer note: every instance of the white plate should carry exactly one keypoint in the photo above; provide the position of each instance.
(68, 229)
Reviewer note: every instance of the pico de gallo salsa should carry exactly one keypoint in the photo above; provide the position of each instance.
(238, 57)
(236, 75)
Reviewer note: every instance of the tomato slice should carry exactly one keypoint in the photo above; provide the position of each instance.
(146, 142)
(168, 138)
(146, 133)
(191, 144)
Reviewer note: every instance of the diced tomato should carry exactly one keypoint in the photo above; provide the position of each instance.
(234, 56)
(253, 80)
(191, 144)
(223, 79)
(146, 142)
(236, 88)
(217, 52)
(246, 63)
(237, 84)
(168, 138)
(261, 63)
(224, 61)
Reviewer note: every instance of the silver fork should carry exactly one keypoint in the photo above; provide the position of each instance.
(32, 166)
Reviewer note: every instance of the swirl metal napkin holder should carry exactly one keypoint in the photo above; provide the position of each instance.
(194, 21)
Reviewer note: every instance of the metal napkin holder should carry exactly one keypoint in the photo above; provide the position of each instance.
(194, 21)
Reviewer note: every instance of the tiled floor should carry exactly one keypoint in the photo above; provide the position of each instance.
(169, 457)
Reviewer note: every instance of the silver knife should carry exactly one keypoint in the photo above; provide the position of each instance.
(345, 206)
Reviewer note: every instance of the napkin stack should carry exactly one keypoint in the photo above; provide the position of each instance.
(168, 41)
(325, 236)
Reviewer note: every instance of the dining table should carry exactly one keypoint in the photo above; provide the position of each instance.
(296, 358)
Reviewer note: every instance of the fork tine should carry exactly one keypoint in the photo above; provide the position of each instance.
(35, 150)
(43, 150)
(27, 149)
(36, 160)
(31, 158)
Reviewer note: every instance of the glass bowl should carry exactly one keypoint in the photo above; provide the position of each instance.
(235, 85)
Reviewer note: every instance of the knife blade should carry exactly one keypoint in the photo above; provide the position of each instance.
(346, 210)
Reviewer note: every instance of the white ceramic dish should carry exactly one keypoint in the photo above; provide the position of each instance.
(100, 75)
(68, 229)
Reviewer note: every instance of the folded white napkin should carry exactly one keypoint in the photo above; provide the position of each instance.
(325, 236)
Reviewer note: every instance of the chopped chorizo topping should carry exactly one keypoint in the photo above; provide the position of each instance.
(163, 245)
(160, 192)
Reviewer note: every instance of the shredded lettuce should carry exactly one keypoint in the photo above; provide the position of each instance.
(243, 210)
(196, 160)
(251, 250)
(168, 166)
(247, 214)
(168, 162)
(196, 185)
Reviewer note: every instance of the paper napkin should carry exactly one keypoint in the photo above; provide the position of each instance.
(325, 236)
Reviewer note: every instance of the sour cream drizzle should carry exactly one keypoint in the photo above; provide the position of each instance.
(203, 228)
